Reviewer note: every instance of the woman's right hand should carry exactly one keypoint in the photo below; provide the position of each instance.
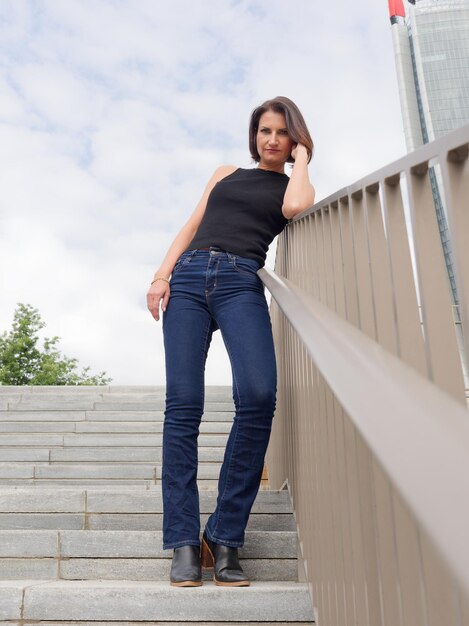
(158, 292)
(160, 288)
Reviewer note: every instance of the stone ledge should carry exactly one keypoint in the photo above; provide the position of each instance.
(126, 544)
(71, 499)
(147, 569)
(72, 623)
(126, 521)
(133, 600)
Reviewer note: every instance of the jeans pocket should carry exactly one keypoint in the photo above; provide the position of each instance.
(243, 265)
(183, 261)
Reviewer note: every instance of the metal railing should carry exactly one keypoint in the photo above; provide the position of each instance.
(371, 432)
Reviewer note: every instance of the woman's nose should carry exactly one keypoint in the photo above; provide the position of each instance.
(273, 138)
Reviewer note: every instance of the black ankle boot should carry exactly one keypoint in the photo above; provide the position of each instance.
(225, 562)
(186, 570)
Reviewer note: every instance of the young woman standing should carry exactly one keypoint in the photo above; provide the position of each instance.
(213, 263)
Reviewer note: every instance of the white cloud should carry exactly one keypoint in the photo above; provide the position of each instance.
(61, 97)
(114, 115)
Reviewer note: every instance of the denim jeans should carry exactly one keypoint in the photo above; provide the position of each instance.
(214, 289)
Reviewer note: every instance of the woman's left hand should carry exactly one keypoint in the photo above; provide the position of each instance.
(297, 149)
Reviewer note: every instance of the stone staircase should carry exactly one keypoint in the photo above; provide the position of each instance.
(81, 516)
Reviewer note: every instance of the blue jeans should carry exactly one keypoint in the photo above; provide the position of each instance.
(214, 289)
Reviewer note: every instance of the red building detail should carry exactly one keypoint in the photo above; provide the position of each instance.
(396, 7)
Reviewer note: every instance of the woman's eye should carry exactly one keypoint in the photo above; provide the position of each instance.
(264, 130)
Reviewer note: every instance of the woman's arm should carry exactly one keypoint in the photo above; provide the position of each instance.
(160, 289)
(300, 193)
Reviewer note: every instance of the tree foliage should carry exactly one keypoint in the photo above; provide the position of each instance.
(24, 362)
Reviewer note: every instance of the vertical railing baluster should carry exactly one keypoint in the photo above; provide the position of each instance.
(328, 260)
(348, 263)
(361, 263)
(455, 173)
(336, 245)
(387, 549)
(320, 260)
(441, 348)
(368, 529)
(409, 563)
(380, 272)
(441, 593)
(405, 306)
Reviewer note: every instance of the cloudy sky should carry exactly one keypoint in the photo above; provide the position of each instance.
(113, 115)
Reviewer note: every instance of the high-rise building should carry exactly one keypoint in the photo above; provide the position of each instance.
(431, 48)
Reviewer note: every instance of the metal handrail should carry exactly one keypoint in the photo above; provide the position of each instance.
(456, 146)
(371, 434)
(362, 376)
(455, 143)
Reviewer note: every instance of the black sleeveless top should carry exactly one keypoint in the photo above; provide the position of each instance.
(244, 213)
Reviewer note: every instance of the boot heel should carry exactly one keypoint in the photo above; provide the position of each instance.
(206, 556)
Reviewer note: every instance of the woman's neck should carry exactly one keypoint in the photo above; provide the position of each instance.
(280, 169)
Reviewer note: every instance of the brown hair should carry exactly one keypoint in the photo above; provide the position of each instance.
(295, 122)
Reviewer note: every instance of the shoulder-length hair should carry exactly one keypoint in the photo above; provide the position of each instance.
(296, 125)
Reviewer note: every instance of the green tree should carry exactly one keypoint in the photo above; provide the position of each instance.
(24, 362)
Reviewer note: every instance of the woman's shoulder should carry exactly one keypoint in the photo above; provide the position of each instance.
(224, 170)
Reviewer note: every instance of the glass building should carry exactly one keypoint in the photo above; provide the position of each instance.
(431, 49)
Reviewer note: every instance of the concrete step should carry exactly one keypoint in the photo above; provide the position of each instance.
(52, 403)
(24, 455)
(102, 427)
(86, 455)
(132, 569)
(212, 396)
(136, 555)
(127, 544)
(115, 390)
(126, 521)
(204, 484)
(104, 500)
(97, 470)
(102, 416)
(155, 405)
(152, 416)
(129, 600)
(133, 507)
(143, 623)
(83, 403)
(99, 440)
(37, 427)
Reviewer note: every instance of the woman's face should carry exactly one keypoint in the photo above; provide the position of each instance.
(274, 144)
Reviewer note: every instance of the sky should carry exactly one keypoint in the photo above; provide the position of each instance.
(113, 116)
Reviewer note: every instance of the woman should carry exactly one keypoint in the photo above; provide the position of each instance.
(213, 263)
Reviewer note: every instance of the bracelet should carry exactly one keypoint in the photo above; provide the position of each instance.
(159, 278)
